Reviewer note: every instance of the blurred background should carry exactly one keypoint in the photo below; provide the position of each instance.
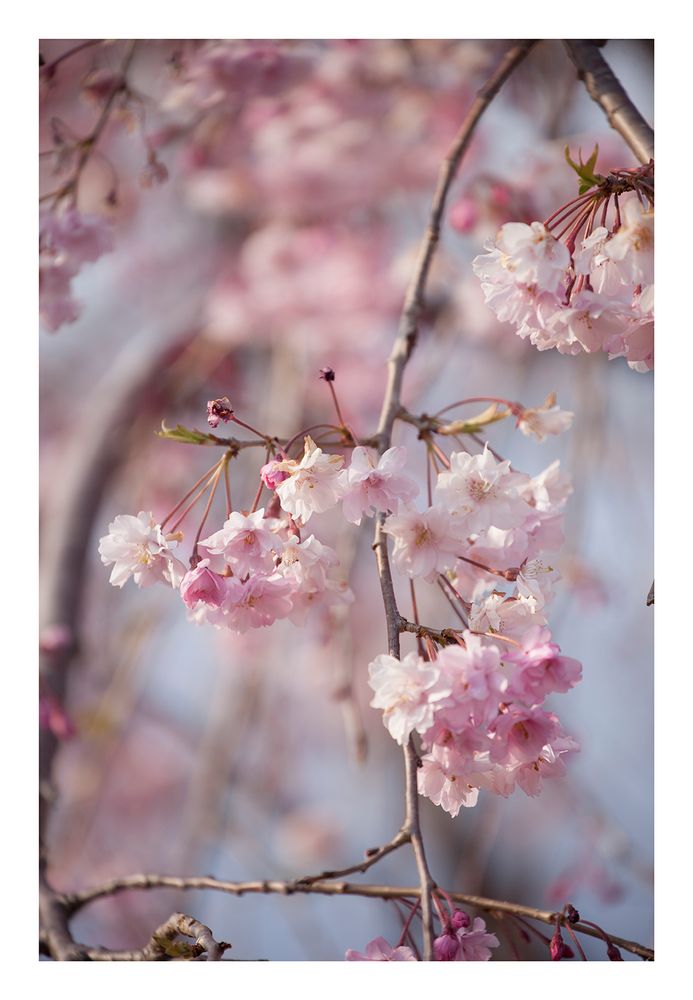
(265, 201)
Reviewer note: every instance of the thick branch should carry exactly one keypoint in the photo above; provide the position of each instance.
(76, 901)
(163, 946)
(605, 89)
(392, 405)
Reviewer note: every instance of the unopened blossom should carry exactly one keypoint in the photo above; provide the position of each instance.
(480, 491)
(558, 949)
(407, 691)
(374, 484)
(424, 541)
(543, 420)
(379, 950)
(274, 473)
(219, 410)
(202, 584)
(245, 543)
(313, 485)
(138, 549)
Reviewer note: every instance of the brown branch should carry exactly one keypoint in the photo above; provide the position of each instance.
(86, 471)
(604, 88)
(75, 901)
(391, 408)
(163, 946)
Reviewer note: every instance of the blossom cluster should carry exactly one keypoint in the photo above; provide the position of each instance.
(68, 239)
(592, 294)
(477, 706)
(462, 940)
(257, 568)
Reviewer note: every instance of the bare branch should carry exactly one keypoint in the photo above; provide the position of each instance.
(163, 946)
(75, 901)
(604, 88)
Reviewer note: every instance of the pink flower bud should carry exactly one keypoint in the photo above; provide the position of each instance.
(446, 947)
(201, 584)
(272, 475)
(464, 215)
(460, 919)
(218, 410)
(558, 948)
(613, 953)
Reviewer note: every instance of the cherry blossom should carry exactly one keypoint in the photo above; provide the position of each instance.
(313, 484)
(407, 691)
(424, 542)
(544, 420)
(138, 549)
(245, 543)
(202, 584)
(378, 950)
(372, 485)
(480, 491)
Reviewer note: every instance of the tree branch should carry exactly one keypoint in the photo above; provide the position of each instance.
(75, 901)
(163, 946)
(392, 406)
(604, 88)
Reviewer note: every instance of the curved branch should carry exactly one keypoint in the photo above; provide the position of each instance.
(604, 88)
(163, 946)
(391, 408)
(75, 901)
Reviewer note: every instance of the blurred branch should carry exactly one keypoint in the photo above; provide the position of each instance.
(163, 946)
(604, 88)
(391, 408)
(650, 596)
(87, 469)
(75, 901)
(48, 69)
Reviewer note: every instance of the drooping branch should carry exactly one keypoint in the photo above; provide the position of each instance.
(75, 901)
(604, 88)
(392, 404)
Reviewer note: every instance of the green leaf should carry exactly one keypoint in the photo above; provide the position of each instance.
(185, 435)
(585, 171)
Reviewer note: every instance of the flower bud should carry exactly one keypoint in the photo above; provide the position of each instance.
(327, 374)
(446, 947)
(460, 919)
(218, 410)
(558, 948)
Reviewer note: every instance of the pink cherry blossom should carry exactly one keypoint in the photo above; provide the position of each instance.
(371, 486)
(138, 549)
(480, 491)
(632, 248)
(245, 543)
(407, 691)
(201, 584)
(313, 485)
(539, 669)
(544, 420)
(522, 733)
(425, 542)
(256, 602)
(379, 950)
